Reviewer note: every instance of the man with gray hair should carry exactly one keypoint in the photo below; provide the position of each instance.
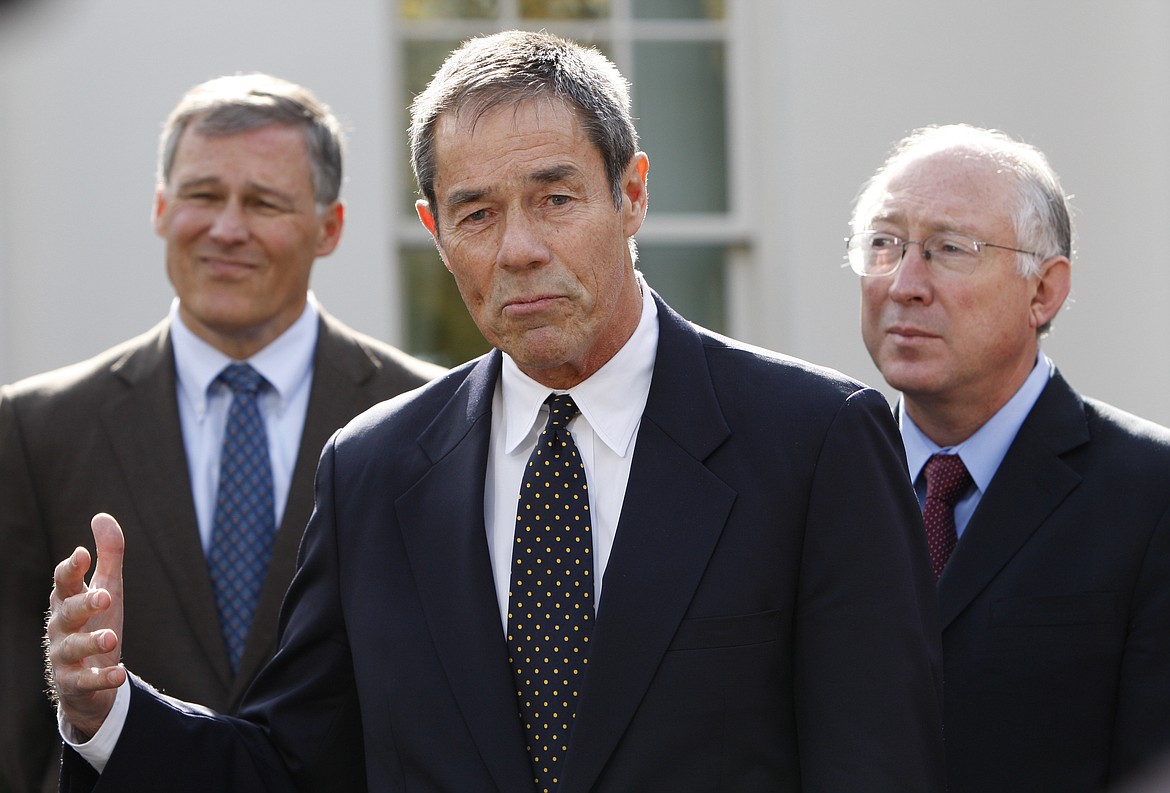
(616, 553)
(1047, 513)
(249, 176)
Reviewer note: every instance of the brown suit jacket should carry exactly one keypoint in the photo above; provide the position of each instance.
(104, 436)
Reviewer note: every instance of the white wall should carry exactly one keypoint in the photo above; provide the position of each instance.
(84, 88)
(1087, 82)
(831, 84)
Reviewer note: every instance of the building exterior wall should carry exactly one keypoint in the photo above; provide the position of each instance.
(1088, 83)
(84, 89)
(823, 88)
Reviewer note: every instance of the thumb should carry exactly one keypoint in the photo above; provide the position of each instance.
(111, 547)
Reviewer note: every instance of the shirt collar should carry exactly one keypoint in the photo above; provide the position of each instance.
(611, 400)
(984, 451)
(285, 362)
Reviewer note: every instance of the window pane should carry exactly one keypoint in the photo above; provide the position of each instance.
(679, 101)
(689, 278)
(564, 9)
(447, 9)
(421, 59)
(438, 327)
(678, 9)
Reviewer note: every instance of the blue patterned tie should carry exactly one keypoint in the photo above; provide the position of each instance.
(244, 528)
(550, 598)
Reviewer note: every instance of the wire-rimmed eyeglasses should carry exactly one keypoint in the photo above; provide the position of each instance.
(873, 253)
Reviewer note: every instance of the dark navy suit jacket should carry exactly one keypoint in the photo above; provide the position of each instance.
(767, 619)
(1056, 606)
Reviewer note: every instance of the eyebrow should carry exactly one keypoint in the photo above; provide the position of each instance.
(215, 181)
(544, 176)
(555, 173)
(459, 198)
(935, 227)
(885, 217)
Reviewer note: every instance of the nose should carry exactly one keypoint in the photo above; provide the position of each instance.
(230, 226)
(911, 281)
(522, 241)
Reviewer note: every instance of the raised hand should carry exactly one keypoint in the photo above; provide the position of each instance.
(84, 630)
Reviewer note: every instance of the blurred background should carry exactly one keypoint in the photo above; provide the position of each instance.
(762, 118)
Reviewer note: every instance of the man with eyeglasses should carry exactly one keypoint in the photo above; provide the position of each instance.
(1047, 513)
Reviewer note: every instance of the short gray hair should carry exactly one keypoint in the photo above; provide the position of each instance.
(514, 66)
(243, 102)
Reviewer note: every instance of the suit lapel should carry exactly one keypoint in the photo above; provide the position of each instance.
(642, 603)
(446, 541)
(144, 430)
(673, 515)
(1030, 483)
(145, 433)
(342, 372)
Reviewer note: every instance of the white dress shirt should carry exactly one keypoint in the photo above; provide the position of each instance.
(982, 452)
(611, 401)
(286, 363)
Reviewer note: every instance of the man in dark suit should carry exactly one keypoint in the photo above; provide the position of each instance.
(247, 199)
(1055, 600)
(741, 590)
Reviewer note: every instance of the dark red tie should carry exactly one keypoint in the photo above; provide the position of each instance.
(946, 481)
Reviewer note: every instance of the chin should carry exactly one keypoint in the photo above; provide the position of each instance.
(908, 378)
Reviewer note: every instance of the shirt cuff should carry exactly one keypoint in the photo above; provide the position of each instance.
(97, 750)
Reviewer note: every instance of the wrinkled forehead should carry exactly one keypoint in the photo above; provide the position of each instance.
(530, 130)
(949, 184)
(522, 110)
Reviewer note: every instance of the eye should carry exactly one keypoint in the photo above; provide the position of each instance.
(266, 206)
(951, 245)
(559, 200)
(879, 240)
(476, 216)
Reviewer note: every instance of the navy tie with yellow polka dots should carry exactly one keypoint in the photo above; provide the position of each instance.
(550, 599)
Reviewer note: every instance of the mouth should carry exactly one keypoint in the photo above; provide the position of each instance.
(908, 334)
(221, 266)
(523, 306)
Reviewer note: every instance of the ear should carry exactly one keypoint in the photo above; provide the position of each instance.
(428, 220)
(160, 206)
(332, 221)
(634, 196)
(1052, 286)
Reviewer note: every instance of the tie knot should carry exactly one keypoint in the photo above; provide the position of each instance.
(946, 478)
(561, 409)
(241, 378)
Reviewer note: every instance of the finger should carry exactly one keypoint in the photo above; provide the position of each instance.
(88, 680)
(75, 648)
(69, 575)
(71, 614)
(111, 548)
